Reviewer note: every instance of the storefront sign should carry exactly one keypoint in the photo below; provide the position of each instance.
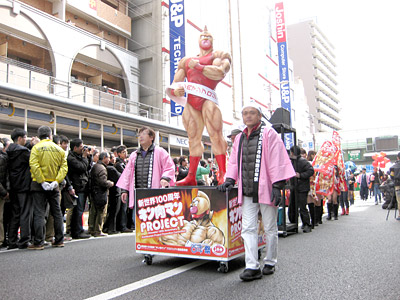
(176, 43)
(284, 85)
(354, 155)
(179, 141)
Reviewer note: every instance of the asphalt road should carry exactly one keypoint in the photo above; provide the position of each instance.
(356, 257)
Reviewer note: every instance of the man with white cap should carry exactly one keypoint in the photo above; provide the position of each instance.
(260, 164)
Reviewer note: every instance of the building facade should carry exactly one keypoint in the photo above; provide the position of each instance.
(66, 64)
(98, 69)
(314, 62)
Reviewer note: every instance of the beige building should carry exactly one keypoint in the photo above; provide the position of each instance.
(66, 64)
(314, 63)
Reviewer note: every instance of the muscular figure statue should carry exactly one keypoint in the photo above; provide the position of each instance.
(200, 229)
(204, 72)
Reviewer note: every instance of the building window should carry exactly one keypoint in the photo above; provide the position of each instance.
(112, 3)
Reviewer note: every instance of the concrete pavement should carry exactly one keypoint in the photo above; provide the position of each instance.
(355, 257)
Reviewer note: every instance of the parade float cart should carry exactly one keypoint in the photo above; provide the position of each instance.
(190, 222)
(280, 121)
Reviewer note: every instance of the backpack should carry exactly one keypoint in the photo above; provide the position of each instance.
(395, 173)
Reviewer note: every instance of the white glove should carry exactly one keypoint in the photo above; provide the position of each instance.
(46, 186)
(53, 185)
(188, 243)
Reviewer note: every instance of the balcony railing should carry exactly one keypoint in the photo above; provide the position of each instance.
(39, 80)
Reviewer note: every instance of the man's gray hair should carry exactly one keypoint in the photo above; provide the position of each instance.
(103, 155)
(44, 132)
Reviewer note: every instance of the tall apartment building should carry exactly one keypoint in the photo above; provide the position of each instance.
(314, 63)
(66, 64)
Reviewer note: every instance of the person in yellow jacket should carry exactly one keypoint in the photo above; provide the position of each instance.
(49, 166)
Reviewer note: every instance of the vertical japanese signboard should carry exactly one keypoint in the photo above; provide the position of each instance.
(176, 42)
(284, 86)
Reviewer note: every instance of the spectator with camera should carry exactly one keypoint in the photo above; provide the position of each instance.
(78, 168)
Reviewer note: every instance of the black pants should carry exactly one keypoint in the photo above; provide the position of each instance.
(40, 200)
(114, 206)
(344, 199)
(302, 204)
(364, 192)
(76, 220)
(122, 217)
(22, 212)
(130, 223)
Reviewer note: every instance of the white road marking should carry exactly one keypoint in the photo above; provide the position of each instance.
(147, 281)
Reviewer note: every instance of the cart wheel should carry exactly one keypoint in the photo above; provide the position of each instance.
(223, 267)
(148, 259)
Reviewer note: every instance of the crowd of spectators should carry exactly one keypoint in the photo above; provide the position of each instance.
(48, 180)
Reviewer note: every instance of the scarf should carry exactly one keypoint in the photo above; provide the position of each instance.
(257, 161)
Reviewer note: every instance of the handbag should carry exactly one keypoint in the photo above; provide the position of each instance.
(100, 197)
(69, 201)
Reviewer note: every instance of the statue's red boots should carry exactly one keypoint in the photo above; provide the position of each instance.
(190, 179)
(221, 161)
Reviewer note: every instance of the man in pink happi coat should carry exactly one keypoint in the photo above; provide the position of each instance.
(148, 167)
(260, 164)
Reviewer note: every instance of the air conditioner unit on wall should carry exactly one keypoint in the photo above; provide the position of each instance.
(370, 144)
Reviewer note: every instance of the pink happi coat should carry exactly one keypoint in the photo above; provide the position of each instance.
(163, 166)
(275, 165)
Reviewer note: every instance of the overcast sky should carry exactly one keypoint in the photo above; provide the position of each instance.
(367, 45)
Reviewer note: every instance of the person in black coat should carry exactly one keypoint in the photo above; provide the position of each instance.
(114, 198)
(20, 182)
(78, 174)
(125, 216)
(304, 170)
(4, 195)
(182, 168)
